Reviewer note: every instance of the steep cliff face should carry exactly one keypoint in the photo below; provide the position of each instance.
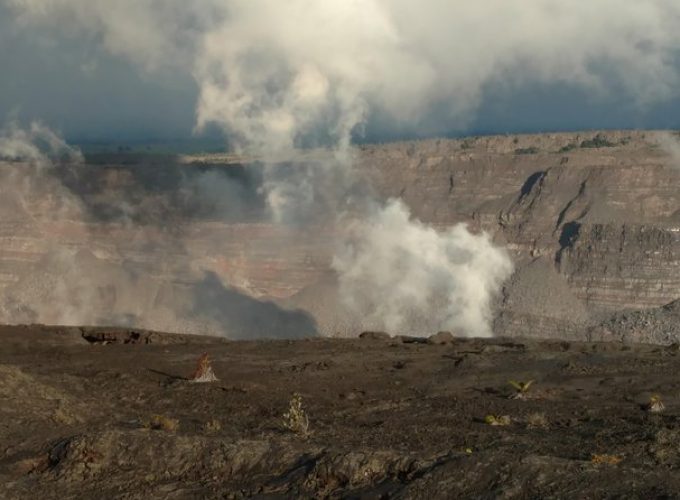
(600, 212)
(619, 266)
(592, 222)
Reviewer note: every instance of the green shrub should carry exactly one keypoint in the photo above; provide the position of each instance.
(527, 151)
(599, 141)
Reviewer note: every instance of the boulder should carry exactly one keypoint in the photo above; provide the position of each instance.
(441, 338)
(375, 336)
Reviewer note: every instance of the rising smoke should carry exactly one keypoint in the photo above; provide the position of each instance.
(278, 76)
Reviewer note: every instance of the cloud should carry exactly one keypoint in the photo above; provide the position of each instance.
(285, 70)
(152, 33)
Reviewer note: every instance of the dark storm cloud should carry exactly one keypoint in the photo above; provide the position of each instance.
(87, 82)
(84, 92)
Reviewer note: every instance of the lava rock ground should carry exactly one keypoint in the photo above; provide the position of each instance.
(110, 414)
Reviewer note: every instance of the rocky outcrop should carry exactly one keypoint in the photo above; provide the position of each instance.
(654, 326)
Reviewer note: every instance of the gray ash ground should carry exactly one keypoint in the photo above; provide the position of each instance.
(109, 414)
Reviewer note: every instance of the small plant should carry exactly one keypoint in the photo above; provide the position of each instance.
(162, 423)
(599, 141)
(606, 459)
(527, 151)
(521, 389)
(296, 419)
(569, 147)
(467, 143)
(497, 420)
(655, 404)
(537, 421)
(204, 372)
(213, 426)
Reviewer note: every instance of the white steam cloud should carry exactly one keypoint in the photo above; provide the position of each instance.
(278, 75)
(403, 276)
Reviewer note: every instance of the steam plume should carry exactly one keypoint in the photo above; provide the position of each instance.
(670, 143)
(405, 277)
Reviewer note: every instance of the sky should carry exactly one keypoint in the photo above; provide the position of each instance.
(77, 88)
(86, 85)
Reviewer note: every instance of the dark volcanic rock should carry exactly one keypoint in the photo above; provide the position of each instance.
(102, 421)
(441, 338)
(375, 336)
(655, 326)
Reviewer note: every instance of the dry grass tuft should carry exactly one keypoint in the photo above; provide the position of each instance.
(296, 419)
(162, 423)
(606, 459)
(655, 404)
(498, 420)
(537, 421)
(204, 372)
(213, 426)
